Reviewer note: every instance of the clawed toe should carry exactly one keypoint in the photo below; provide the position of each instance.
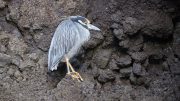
(75, 75)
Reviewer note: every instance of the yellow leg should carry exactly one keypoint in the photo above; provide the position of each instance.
(72, 72)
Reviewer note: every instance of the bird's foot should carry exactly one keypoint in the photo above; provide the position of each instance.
(75, 75)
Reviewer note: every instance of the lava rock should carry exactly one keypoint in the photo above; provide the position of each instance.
(112, 65)
(156, 58)
(115, 26)
(17, 74)
(175, 68)
(138, 70)
(133, 78)
(101, 58)
(36, 26)
(124, 44)
(68, 87)
(125, 72)
(2, 4)
(2, 48)
(106, 76)
(123, 61)
(16, 60)
(138, 56)
(10, 71)
(131, 26)
(43, 40)
(119, 34)
(158, 24)
(165, 66)
(16, 42)
(176, 37)
(27, 63)
(141, 81)
(5, 59)
(4, 38)
(117, 17)
(133, 44)
(95, 39)
(35, 55)
(95, 70)
(177, 50)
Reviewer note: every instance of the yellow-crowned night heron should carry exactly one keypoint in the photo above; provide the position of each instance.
(68, 38)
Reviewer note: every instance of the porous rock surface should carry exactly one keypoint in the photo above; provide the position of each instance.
(136, 57)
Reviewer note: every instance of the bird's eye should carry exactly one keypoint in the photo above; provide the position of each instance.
(84, 21)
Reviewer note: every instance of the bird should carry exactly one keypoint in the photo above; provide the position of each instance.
(68, 38)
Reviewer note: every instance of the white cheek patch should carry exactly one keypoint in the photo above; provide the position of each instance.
(81, 22)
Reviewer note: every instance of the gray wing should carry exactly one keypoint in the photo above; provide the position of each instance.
(63, 40)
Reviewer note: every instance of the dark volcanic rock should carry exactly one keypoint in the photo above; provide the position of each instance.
(175, 68)
(124, 44)
(101, 58)
(158, 24)
(156, 58)
(95, 39)
(176, 45)
(106, 76)
(137, 69)
(112, 65)
(139, 56)
(123, 61)
(133, 44)
(132, 78)
(119, 34)
(125, 72)
(131, 26)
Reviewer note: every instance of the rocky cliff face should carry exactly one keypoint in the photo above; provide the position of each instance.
(135, 58)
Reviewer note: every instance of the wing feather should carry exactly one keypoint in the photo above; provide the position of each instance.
(62, 42)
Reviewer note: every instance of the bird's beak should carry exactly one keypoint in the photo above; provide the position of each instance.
(92, 27)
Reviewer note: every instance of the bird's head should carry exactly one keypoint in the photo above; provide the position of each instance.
(84, 22)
